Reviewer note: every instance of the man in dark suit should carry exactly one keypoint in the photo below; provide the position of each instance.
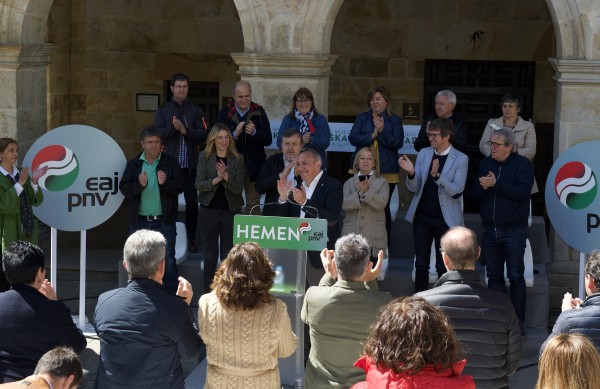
(318, 196)
(32, 321)
(277, 167)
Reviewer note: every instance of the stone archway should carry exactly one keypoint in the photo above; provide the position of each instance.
(23, 65)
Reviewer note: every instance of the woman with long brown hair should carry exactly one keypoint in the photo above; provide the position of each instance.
(244, 327)
(219, 180)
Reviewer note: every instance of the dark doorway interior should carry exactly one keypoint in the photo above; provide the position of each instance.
(479, 86)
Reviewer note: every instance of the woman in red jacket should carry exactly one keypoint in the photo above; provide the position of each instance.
(412, 345)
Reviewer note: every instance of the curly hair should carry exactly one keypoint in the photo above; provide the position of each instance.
(409, 334)
(244, 278)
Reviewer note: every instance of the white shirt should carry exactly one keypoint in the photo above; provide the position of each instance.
(310, 189)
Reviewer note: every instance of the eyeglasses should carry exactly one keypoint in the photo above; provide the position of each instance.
(432, 135)
(495, 144)
(303, 101)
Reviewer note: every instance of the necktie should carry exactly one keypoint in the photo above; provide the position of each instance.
(26, 214)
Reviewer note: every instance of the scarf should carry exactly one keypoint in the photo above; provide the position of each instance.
(306, 124)
(233, 114)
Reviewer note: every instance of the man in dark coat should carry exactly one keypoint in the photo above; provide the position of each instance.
(32, 321)
(484, 320)
(582, 316)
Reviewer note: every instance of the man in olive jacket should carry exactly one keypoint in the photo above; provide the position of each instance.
(484, 320)
(340, 313)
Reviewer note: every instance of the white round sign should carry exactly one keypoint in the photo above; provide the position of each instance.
(572, 199)
(81, 186)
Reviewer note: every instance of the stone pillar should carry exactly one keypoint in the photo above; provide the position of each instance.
(23, 104)
(577, 120)
(275, 78)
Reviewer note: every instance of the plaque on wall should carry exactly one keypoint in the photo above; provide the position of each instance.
(410, 111)
(146, 102)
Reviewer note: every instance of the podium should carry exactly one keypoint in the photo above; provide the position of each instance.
(286, 241)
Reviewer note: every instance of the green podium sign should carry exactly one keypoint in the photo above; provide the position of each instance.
(281, 232)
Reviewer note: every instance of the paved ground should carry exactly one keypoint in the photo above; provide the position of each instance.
(104, 252)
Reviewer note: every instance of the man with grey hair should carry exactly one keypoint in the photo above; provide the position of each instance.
(145, 329)
(480, 316)
(503, 187)
(445, 102)
(340, 312)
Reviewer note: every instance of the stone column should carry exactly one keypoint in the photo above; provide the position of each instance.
(577, 120)
(23, 105)
(275, 78)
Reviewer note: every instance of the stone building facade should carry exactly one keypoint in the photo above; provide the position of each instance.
(84, 61)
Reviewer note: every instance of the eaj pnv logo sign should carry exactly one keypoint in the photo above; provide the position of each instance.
(63, 167)
(572, 196)
(575, 185)
(281, 232)
(81, 186)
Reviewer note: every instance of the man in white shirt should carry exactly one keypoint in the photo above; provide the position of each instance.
(319, 196)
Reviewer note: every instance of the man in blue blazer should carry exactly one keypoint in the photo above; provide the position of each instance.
(438, 181)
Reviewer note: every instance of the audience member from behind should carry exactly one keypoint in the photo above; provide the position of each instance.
(570, 361)
(281, 166)
(340, 312)
(582, 316)
(244, 327)
(412, 345)
(144, 328)
(365, 197)
(312, 126)
(32, 321)
(59, 368)
(480, 316)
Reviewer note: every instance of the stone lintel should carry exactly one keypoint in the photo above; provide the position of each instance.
(570, 71)
(284, 65)
(15, 56)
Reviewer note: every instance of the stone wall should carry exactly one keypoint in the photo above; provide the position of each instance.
(385, 42)
(110, 50)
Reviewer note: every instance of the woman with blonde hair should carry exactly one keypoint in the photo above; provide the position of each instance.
(412, 345)
(244, 327)
(569, 361)
(365, 196)
(219, 180)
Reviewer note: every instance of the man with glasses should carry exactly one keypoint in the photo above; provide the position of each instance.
(504, 187)
(438, 181)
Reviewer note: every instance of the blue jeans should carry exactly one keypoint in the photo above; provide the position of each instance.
(425, 230)
(498, 247)
(170, 233)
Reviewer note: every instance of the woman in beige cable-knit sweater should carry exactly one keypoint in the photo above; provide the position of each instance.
(244, 327)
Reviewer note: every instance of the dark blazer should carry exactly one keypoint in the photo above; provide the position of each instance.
(169, 191)
(144, 331)
(325, 203)
(266, 183)
(252, 147)
(30, 326)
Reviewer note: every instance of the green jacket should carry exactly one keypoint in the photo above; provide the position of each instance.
(10, 211)
(205, 173)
